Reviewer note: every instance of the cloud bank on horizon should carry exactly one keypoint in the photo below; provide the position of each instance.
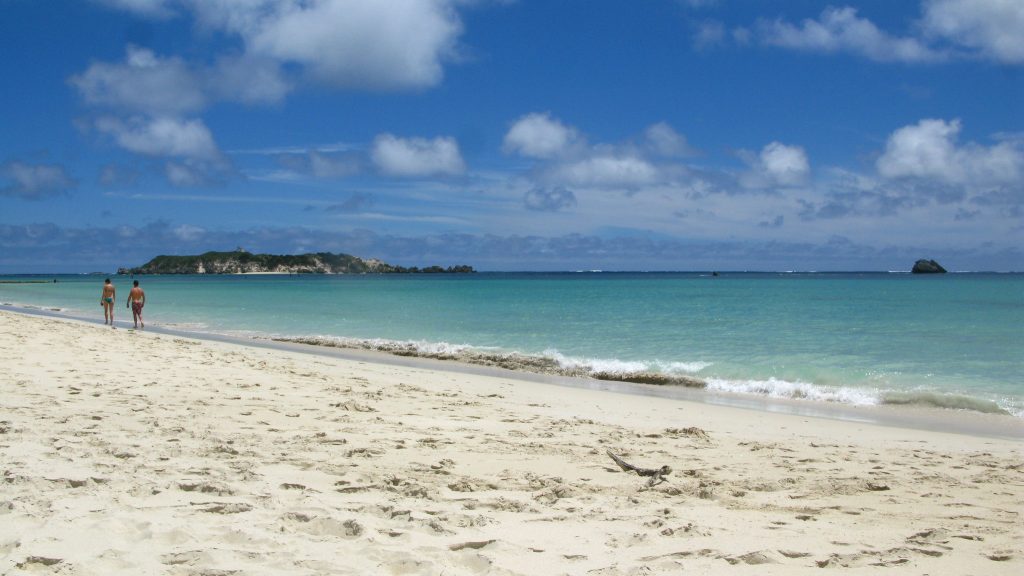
(517, 135)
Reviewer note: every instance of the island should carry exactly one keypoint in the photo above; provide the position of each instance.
(927, 267)
(241, 261)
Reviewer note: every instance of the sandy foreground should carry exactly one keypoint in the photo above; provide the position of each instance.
(125, 452)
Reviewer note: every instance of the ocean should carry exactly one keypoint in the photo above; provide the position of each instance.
(950, 341)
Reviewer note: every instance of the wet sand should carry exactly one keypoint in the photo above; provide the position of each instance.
(127, 452)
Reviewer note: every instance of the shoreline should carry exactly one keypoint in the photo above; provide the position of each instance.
(131, 452)
(896, 416)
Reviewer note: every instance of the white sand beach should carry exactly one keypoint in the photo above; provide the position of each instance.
(127, 452)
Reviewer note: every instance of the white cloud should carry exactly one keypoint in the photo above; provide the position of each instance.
(948, 28)
(928, 150)
(180, 175)
(146, 83)
(538, 135)
(993, 27)
(665, 141)
(841, 30)
(142, 83)
(188, 232)
(785, 165)
(397, 44)
(161, 137)
(709, 33)
(606, 171)
(777, 165)
(332, 166)
(565, 157)
(417, 156)
(549, 199)
(35, 181)
(247, 79)
(190, 173)
(148, 8)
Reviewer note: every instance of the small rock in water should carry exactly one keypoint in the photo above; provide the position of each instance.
(927, 267)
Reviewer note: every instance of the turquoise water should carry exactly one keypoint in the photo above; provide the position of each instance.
(954, 340)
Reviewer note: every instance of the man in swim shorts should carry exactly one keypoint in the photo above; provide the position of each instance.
(136, 299)
(107, 301)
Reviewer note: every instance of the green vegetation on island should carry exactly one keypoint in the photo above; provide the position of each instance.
(242, 262)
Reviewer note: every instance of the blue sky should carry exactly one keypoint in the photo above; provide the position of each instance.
(515, 135)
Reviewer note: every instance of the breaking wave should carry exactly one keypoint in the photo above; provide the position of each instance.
(550, 362)
(659, 373)
(863, 397)
(952, 401)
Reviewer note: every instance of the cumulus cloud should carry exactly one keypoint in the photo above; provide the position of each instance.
(398, 44)
(394, 45)
(566, 159)
(149, 104)
(991, 27)
(928, 150)
(947, 29)
(35, 181)
(549, 199)
(663, 140)
(538, 135)
(144, 103)
(785, 165)
(606, 171)
(143, 83)
(146, 83)
(161, 136)
(842, 30)
(409, 157)
(777, 165)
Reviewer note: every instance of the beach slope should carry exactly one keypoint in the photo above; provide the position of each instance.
(125, 452)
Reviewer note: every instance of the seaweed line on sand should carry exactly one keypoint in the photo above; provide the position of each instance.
(509, 360)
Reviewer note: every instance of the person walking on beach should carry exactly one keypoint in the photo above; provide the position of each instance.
(107, 301)
(136, 300)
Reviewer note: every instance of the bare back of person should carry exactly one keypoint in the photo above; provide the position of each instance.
(136, 300)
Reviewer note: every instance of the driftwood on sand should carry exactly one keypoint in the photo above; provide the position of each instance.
(656, 475)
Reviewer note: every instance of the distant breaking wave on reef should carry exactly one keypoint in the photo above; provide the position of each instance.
(658, 373)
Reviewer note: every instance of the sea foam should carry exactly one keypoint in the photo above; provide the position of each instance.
(686, 374)
(551, 362)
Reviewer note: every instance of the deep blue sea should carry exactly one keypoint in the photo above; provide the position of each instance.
(953, 340)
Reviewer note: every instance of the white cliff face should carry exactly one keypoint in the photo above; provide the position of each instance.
(234, 266)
